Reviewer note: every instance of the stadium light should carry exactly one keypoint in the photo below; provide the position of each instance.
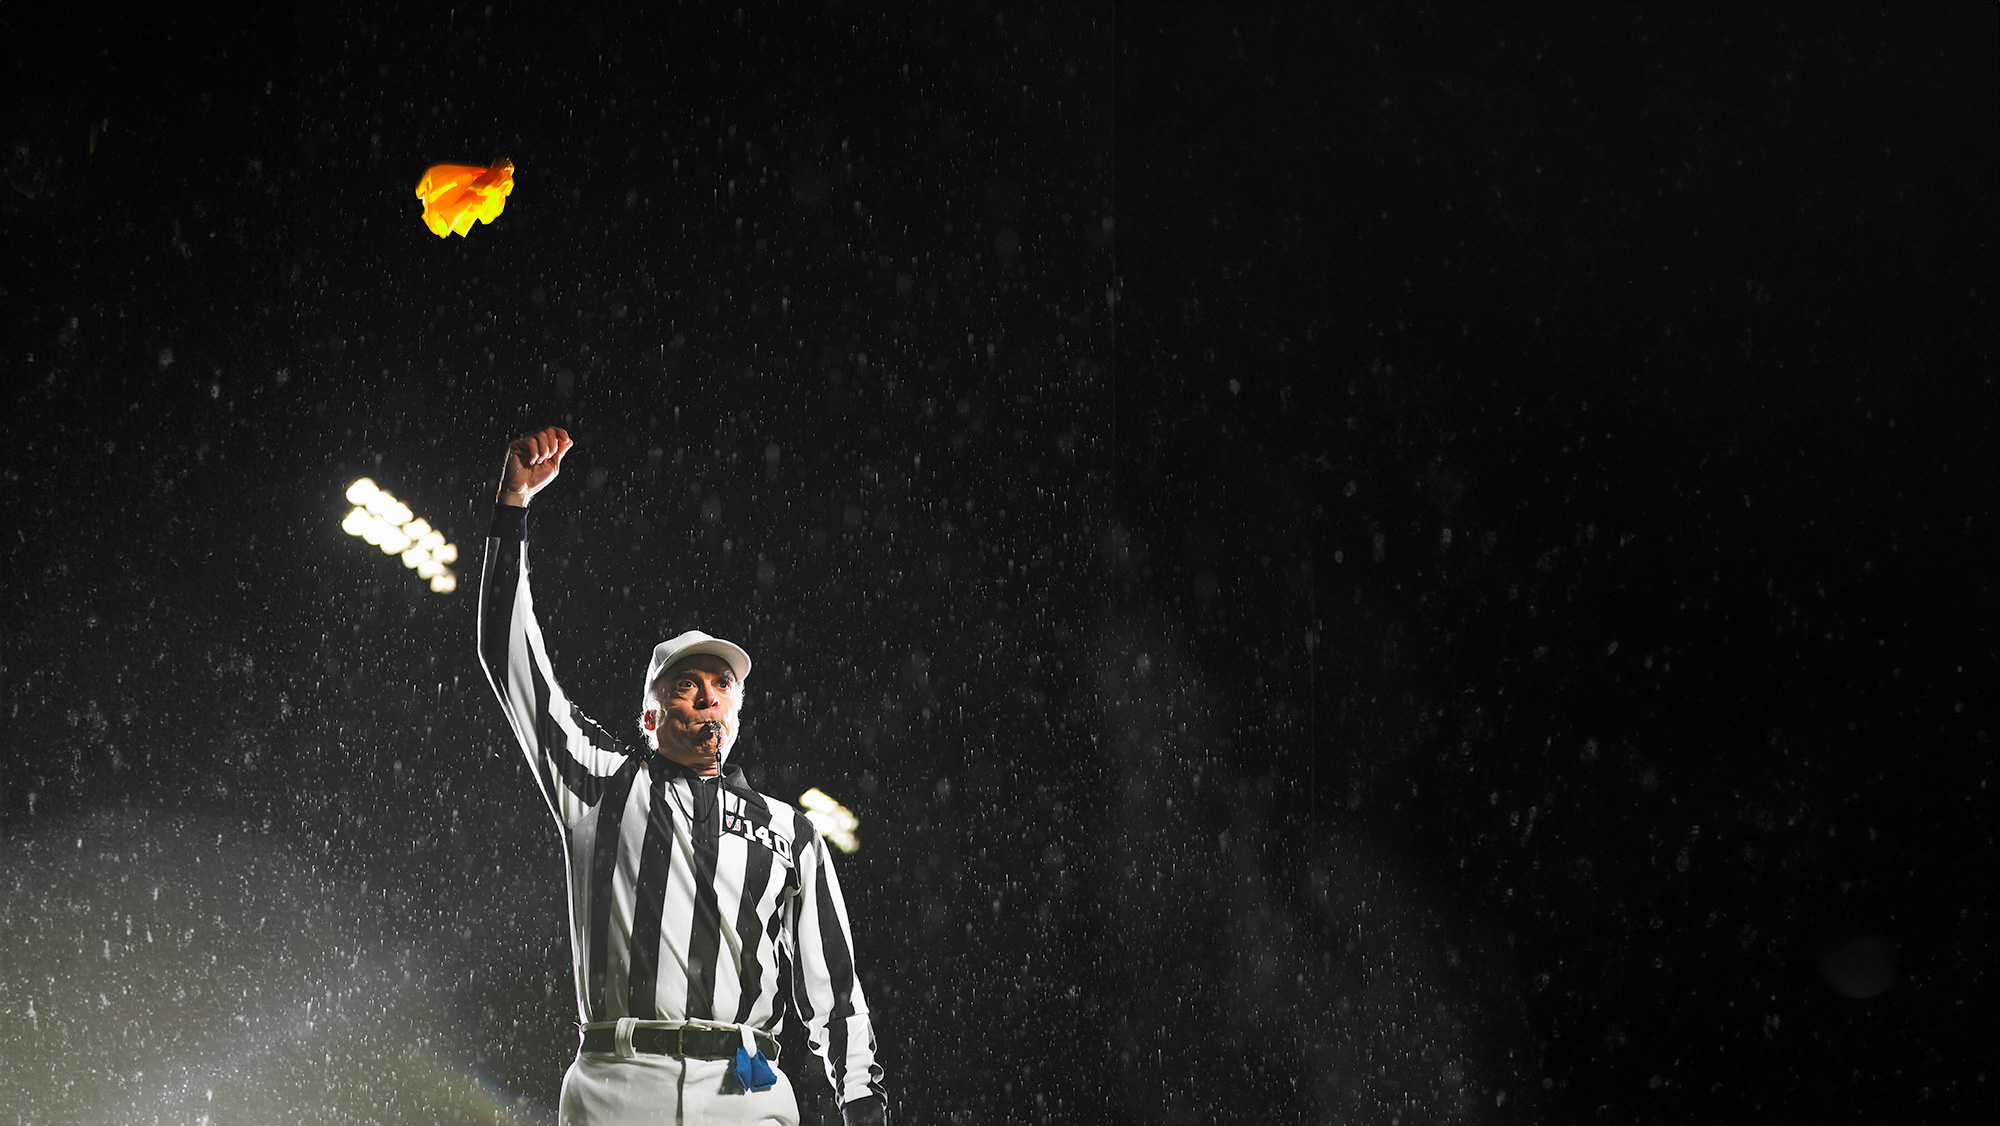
(388, 523)
(835, 821)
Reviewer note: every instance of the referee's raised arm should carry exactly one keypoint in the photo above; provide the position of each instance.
(566, 752)
(532, 462)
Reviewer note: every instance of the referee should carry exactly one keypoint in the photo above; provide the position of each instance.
(694, 901)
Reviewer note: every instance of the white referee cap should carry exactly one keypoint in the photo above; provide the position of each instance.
(693, 643)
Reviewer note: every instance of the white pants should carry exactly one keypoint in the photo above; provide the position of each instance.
(603, 1089)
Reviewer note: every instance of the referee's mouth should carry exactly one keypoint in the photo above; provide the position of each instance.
(704, 741)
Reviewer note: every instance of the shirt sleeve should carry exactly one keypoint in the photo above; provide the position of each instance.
(566, 751)
(825, 989)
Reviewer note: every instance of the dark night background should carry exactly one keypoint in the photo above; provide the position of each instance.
(1357, 564)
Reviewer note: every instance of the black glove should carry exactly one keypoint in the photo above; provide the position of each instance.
(871, 1111)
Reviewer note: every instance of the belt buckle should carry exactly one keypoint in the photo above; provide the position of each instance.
(680, 1042)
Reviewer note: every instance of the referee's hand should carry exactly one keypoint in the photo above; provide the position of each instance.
(869, 1111)
(532, 462)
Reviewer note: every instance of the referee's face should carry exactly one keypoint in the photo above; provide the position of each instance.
(694, 693)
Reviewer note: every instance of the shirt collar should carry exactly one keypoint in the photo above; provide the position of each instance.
(732, 776)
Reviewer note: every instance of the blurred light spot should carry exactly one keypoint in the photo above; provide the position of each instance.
(834, 821)
(385, 522)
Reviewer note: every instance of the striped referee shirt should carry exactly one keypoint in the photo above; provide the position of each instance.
(689, 898)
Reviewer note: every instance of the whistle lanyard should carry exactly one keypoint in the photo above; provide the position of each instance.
(685, 809)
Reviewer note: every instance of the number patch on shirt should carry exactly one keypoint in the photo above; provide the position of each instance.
(762, 834)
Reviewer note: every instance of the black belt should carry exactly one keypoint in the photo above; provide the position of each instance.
(687, 1043)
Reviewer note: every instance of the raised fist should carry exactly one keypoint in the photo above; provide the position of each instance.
(532, 462)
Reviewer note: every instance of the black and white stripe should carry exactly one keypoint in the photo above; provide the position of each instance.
(689, 899)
